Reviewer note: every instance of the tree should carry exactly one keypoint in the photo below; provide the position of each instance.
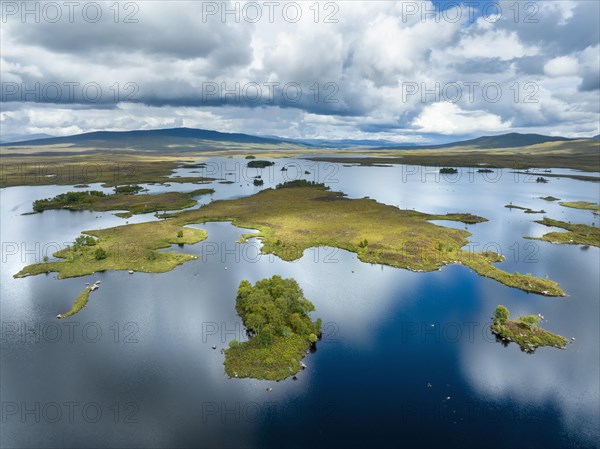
(179, 234)
(501, 315)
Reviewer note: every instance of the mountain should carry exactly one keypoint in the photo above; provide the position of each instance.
(510, 140)
(179, 139)
(189, 139)
(12, 138)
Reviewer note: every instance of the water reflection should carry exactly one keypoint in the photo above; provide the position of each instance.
(389, 333)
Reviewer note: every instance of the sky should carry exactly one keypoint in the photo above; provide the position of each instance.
(414, 72)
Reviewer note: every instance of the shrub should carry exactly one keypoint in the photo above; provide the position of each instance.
(100, 254)
(179, 234)
(501, 315)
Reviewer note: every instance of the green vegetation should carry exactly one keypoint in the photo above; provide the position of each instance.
(124, 199)
(129, 247)
(260, 164)
(69, 200)
(100, 254)
(128, 189)
(258, 182)
(485, 170)
(250, 157)
(578, 155)
(541, 180)
(525, 209)
(448, 171)
(582, 205)
(291, 220)
(549, 198)
(579, 234)
(275, 314)
(524, 331)
(79, 303)
(107, 168)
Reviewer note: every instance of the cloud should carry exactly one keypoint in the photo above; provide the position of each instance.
(448, 118)
(351, 71)
(562, 66)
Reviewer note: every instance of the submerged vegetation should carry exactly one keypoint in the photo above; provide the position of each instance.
(275, 314)
(124, 198)
(524, 331)
(291, 220)
(578, 234)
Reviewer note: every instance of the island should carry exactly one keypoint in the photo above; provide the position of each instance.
(578, 234)
(549, 198)
(276, 316)
(524, 331)
(296, 216)
(448, 171)
(259, 164)
(582, 205)
(527, 210)
(124, 198)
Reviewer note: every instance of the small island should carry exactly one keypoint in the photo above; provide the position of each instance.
(582, 205)
(524, 331)
(527, 210)
(549, 198)
(276, 316)
(124, 198)
(448, 171)
(259, 164)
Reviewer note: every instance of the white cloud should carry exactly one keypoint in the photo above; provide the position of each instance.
(369, 53)
(562, 66)
(448, 118)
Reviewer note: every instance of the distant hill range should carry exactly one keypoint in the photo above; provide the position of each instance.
(189, 139)
(510, 140)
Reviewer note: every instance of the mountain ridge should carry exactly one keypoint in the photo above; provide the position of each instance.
(195, 138)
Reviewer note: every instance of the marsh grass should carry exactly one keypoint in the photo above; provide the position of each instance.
(291, 220)
(578, 234)
(526, 333)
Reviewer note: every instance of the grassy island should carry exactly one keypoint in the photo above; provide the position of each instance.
(260, 164)
(79, 303)
(524, 331)
(582, 205)
(549, 198)
(578, 234)
(448, 171)
(124, 198)
(275, 314)
(128, 247)
(302, 215)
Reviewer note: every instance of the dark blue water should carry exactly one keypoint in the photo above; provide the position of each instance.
(406, 359)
